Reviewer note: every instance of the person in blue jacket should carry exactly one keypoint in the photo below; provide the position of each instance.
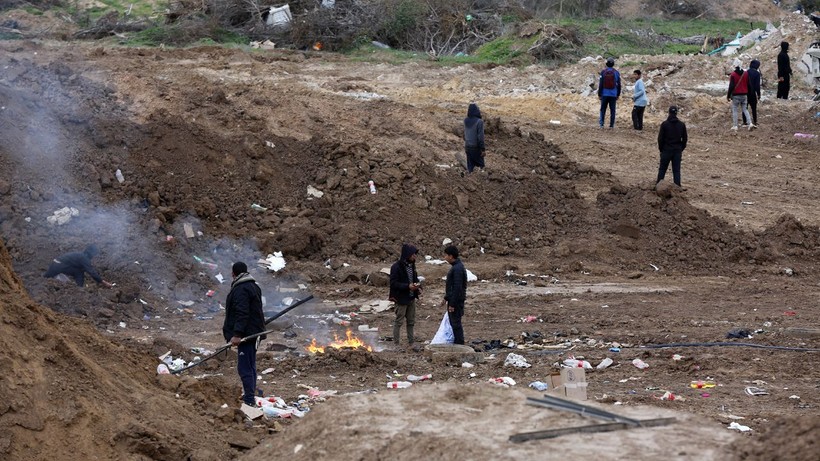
(609, 90)
(639, 101)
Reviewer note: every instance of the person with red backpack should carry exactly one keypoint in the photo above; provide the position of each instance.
(609, 90)
(738, 92)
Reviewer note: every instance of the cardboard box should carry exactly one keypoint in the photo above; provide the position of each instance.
(570, 383)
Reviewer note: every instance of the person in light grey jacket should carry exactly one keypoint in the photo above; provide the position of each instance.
(639, 100)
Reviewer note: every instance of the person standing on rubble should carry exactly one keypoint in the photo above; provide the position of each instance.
(672, 141)
(609, 90)
(455, 292)
(784, 72)
(75, 265)
(244, 317)
(754, 90)
(404, 290)
(474, 138)
(738, 93)
(639, 101)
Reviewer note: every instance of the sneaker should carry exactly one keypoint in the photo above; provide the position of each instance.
(752, 127)
(734, 128)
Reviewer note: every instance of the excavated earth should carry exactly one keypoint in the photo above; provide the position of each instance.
(564, 226)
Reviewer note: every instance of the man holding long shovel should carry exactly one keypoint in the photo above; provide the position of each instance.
(243, 318)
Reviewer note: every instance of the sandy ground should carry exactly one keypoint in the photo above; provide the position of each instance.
(201, 134)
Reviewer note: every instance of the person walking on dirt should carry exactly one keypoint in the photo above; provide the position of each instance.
(754, 90)
(609, 90)
(455, 292)
(404, 290)
(672, 141)
(474, 138)
(639, 101)
(75, 265)
(738, 92)
(244, 317)
(784, 72)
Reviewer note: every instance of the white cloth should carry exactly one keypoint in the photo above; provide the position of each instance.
(444, 335)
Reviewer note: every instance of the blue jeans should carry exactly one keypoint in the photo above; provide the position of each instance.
(246, 365)
(607, 101)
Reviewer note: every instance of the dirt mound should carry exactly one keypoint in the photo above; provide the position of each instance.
(71, 393)
(800, 432)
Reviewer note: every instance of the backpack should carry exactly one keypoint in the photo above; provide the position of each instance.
(609, 78)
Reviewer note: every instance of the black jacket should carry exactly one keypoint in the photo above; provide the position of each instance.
(455, 292)
(474, 129)
(243, 309)
(754, 80)
(399, 280)
(784, 68)
(672, 135)
(73, 265)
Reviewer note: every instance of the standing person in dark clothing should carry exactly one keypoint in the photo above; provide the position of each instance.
(404, 290)
(244, 317)
(738, 93)
(671, 142)
(75, 265)
(474, 138)
(754, 90)
(784, 71)
(455, 292)
(609, 90)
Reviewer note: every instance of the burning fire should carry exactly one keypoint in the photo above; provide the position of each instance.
(351, 342)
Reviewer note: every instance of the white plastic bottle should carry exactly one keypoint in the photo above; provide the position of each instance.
(640, 364)
(399, 384)
(372, 186)
(119, 176)
(604, 363)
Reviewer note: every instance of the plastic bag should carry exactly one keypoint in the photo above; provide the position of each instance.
(444, 335)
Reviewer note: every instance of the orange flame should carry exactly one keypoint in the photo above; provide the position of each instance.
(351, 342)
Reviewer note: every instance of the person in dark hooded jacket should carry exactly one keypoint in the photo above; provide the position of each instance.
(474, 138)
(404, 290)
(754, 90)
(75, 265)
(244, 317)
(784, 72)
(672, 141)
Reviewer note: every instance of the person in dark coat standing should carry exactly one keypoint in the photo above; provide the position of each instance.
(75, 265)
(672, 140)
(784, 72)
(455, 292)
(474, 138)
(404, 290)
(754, 90)
(244, 317)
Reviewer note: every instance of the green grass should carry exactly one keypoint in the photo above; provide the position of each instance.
(503, 50)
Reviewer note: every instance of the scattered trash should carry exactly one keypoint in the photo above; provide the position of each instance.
(372, 186)
(380, 45)
(539, 386)
(120, 177)
(220, 278)
(467, 365)
(266, 45)
(209, 265)
(210, 293)
(640, 364)
(377, 306)
(470, 276)
(604, 363)
(445, 334)
(189, 230)
(251, 412)
(555, 122)
(789, 313)
(314, 192)
(614, 349)
(414, 378)
(504, 381)
(429, 260)
(122, 324)
(739, 427)
(162, 369)
(62, 216)
(446, 241)
(278, 16)
(739, 333)
(257, 207)
(805, 135)
(788, 271)
(529, 319)
(274, 262)
(794, 397)
(516, 361)
(367, 328)
(670, 397)
(574, 363)
(705, 394)
(399, 384)
(677, 357)
(751, 390)
(702, 384)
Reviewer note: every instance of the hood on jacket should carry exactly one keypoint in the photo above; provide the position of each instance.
(739, 71)
(91, 251)
(755, 64)
(473, 111)
(242, 278)
(407, 250)
(784, 46)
